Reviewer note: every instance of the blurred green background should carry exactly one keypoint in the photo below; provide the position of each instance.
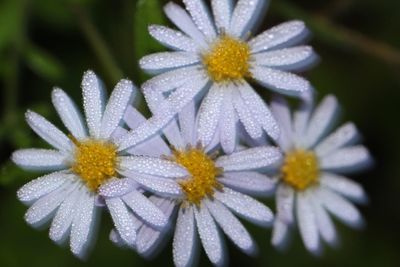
(46, 43)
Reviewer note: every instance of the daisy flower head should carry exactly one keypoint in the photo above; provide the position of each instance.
(311, 185)
(80, 163)
(205, 198)
(214, 60)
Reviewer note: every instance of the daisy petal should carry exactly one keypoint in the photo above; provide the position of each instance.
(344, 186)
(346, 159)
(183, 21)
(93, 102)
(340, 207)
(43, 209)
(84, 225)
(228, 125)
(173, 134)
(301, 117)
(280, 234)
(39, 159)
(307, 223)
(252, 183)
(282, 82)
(116, 107)
(209, 236)
(259, 109)
(252, 158)
(245, 15)
(321, 121)
(209, 114)
(187, 122)
(284, 203)
(145, 209)
(345, 135)
(231, 226)
(116, 239)
(324, 223)
(294, 31)
(61, 224)
(157, 185)
(201, 17)
(245, 206)
(41, 186)
(48, 132)
(222, 11)
(184, 243)
(151, 166)
(68, 113)
(289, 59)
(280, 110)
(115, 187)
(164, 61)
(122, 220)
(172, 39)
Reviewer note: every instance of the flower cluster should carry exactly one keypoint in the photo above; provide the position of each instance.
(211, 146)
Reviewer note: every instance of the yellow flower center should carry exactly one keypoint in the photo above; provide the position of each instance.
(95, 162)
(228, 59)
(300, 169)
(203, 174)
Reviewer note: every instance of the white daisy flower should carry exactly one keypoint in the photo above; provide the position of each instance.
(213, 57)
(82, 161)
(311, 185)
(206, 198)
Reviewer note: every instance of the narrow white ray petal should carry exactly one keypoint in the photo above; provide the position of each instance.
(163, 61)
(184, 244)
(292, 31)
(145, 209)
(43, 185)
(228, 125)
(345, 135)
(116, 187)
(280, 234)
(245, 206)
(116, 107)
(280, 110)
(340, 207)
(285, 203)
(61, 224)
(252, 183)
(69, 114)
(173, 134)
(160, 186)
(252, 158)
(122, 220)
(39, 159)
(172, 39)
(290, 59)
(307, 223)
(209, 235)
(209, 114)
(245, 15)
(321, 121)
(201, 17)
(43, 209)
(324, 222)
(346, 159)
(231, 226)
(301, 118)
(48, 132)
(93, 102)
(344, 186)
(84, 226)
(222, 11)
(187, 122)
(259, 109)
(282, 82)
(246, 117)
(151, 166)
(116, 239)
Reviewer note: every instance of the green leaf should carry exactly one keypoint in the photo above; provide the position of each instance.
(11, 20)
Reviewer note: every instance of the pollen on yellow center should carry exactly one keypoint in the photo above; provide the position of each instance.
(300, 169)
(95, 162)
(228, 59)
(203, 174)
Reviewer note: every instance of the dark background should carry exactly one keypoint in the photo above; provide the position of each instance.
(46, 43)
